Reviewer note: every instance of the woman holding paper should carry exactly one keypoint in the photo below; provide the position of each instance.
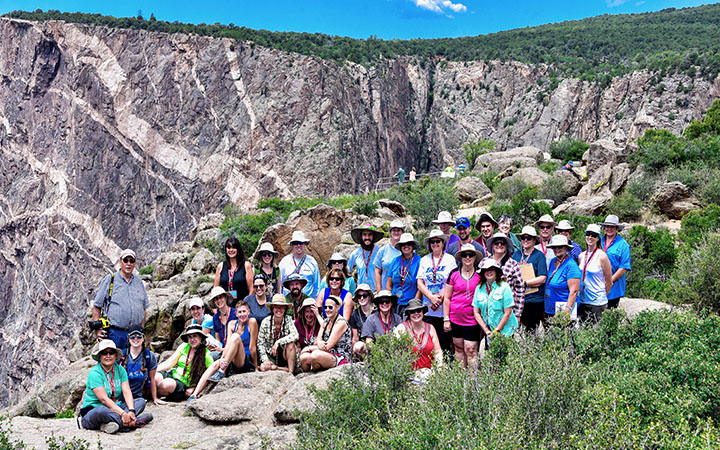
(534, 270)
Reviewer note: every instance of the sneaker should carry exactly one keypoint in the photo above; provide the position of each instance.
(190, 399)
(110, 427)
(217, 376)
(143, 419)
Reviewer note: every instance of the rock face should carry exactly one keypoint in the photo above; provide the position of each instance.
(674, 200)
(114, 138)
(469, 189)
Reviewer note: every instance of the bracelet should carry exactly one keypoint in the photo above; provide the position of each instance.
(131, 409)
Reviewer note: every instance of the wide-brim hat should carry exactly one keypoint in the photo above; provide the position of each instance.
(397, 224)
(356, 233)
(414, 305)
(593, 228)
(294, 277)
(468, 248)
(365, 288)
(489, 263)
(444, 217)
(500, 236)
(279, 300)
(486, 217)
(298, 236)
(307, 302)
(217, 291)
(265, 247)
(559, 241)
(612, 221)
(529, 230)
(104, 345)
(192, 329)
(337, 256)
(407, 238)
(564, 225)
(385, 294)
(437, 234)
(545, 218)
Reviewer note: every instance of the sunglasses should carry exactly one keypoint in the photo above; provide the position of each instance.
(526, 238)
(545, 227)
(108, 352)
(136, 336)
(264, 254)
(334, 279)
(384, 301)
(329, 307)
(501, 243)
(363, 296)
(336, 262)
(416, 311)
(467, 255)
(129, 259)
(298, 243)
(259, 286)
(591, 234)
(435, 241)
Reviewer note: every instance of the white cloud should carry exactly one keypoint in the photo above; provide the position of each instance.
(614, 3)
(639, 3)
(440, 6)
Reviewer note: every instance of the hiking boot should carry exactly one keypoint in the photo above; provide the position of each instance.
(217, 376)
(190, 399)
(110, 427)
(143, 419)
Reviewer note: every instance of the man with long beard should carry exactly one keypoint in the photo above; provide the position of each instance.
(364, 257)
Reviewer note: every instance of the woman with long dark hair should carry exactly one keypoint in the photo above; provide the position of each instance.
(235, 274)
(177, 376)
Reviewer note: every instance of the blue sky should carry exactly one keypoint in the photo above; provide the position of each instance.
(386, 19)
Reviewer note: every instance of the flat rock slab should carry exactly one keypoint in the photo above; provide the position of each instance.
(234, 405)
(298, 397)
(273, 382)
(633, 306)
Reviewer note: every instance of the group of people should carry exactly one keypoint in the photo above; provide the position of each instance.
(285, 316)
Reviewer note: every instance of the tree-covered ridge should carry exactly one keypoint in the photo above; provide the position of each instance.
(672, 39)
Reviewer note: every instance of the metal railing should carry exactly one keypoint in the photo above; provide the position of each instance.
(385, 183)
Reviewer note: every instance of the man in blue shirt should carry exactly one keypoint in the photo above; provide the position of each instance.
(364, 257)
(402, 279)
(618, 252)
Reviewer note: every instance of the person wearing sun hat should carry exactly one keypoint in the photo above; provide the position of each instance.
(425, 342)
(546, 225)
(487, 226)
(219, 299)
(109, 404)
(402, 280)
(299, 262)
(294, 284)
(596, 279)
(339, 261)
(565, 228)
(277, 337)
(363, 258)
(563, 283)
(381, 322)
(618, 252)
(435, 267)
(493, 301)
(534, 309)
(387, 254)
(307, 324)
(178, 375)
(364, 299)
(501, 246)
(445, 221)
(265, 256)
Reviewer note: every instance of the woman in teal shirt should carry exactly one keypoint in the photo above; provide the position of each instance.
(493, 301)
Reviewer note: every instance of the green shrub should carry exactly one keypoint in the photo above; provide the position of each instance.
(425, 198)
(568, 149)
(247, 228)
(690, 174)
(709, 125)
(696, 280)
(365, 205)
(473, 149)
(285, 207)
(697, 224)
(523, 208)
(553, 188)
(642, 187)
(709, 192)
(193, 287)
(490, 179)
(549, 167)
(147, 270)
(626, 206)
(67, 414)
(653, 262)
(509, 188)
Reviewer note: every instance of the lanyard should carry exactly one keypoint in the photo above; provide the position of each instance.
(435, 267)
(588, 262)
(231, 275)
(386, 327)
(544, 249)
(562, 263)
(524, 258)
(488, 289)
(607, 246)
(404, 270)
(111, 381)
(418, 339)
(367, 262)
(298, 266)
(482, 243)
(277, 332)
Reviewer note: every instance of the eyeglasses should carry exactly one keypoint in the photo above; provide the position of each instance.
(129, 259)
(526, 238)
(136, 336)
(591, 234)
(297, 243)
(108, 353)
(259, 286)
(545, 227)
(467, 255)
(435, 241)
(501, 243)
(334, 279)
(363, 295)
(332, 263)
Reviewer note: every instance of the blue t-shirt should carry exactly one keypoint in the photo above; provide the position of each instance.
(366, 275)
(136, 376)
(207, 322)
(619, 255)
(406, 288)
(219, 328)
(383, 258)
(556, 288)
(537, 259)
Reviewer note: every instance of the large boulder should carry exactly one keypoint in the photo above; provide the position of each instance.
(674, 200)
(598, 184)
(299, 398)
(270, 382)
(517, 157)
(531, 176)
(169, 264)
(323, 225)
(233, 406)
(501, 164)
(619, 177)
(602, 152)
(211, 221)
(470, 188)
(396, 207)
(584, 207)
(570, 181)
(204, 261)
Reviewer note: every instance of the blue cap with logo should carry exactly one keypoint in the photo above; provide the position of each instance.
(462, 222)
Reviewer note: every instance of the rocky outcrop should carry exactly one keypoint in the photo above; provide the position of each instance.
(531, 176)
(674, 200)
(470, 188)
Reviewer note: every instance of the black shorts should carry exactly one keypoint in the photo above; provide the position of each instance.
(469, 333)
(178, 395)
(248, 367)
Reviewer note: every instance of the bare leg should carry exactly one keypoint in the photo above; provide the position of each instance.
(459, 346)
(289, 354)
(165, 386)
(359, 349)
(471, 350)
(207, 374)
(306, 361)
(323, 360)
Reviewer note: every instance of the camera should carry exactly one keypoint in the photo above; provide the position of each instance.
(98, 324)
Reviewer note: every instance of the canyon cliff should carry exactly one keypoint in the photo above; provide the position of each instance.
(113, 138)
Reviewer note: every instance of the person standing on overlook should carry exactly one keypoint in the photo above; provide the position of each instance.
(364, 257)
(463, 227)
(121, 297)
(400, 175)
(301, 264)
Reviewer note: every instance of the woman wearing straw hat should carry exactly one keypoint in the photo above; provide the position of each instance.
(380, 322)
(178, 375)
(500, 246)
(434, 269)
(618, 252)
(364, 257)
(596, 279)
(546, 225)
(457, 307)
(307, 324)
(265, 256)
(402, 280)
(563, 281)
(363, 298)
(109, 403)
(300, 263)
(219, 299)
(565, 228)
(387, 254)
(277, 337)
(445, 221)
(493, 301)
(338, 261)
(334, 344)
(534, 309)
(235, 273)
(426, 344)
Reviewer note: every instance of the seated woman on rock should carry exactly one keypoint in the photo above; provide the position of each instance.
(339, 261)
(178, 375)
(493, 301)
(240, 353)
(379, 323)
(364, 298)
(333, 347)
(141, 365)
(335, 279)
(277, 337)
(426, 344)
(109, 404)
(306, 324)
